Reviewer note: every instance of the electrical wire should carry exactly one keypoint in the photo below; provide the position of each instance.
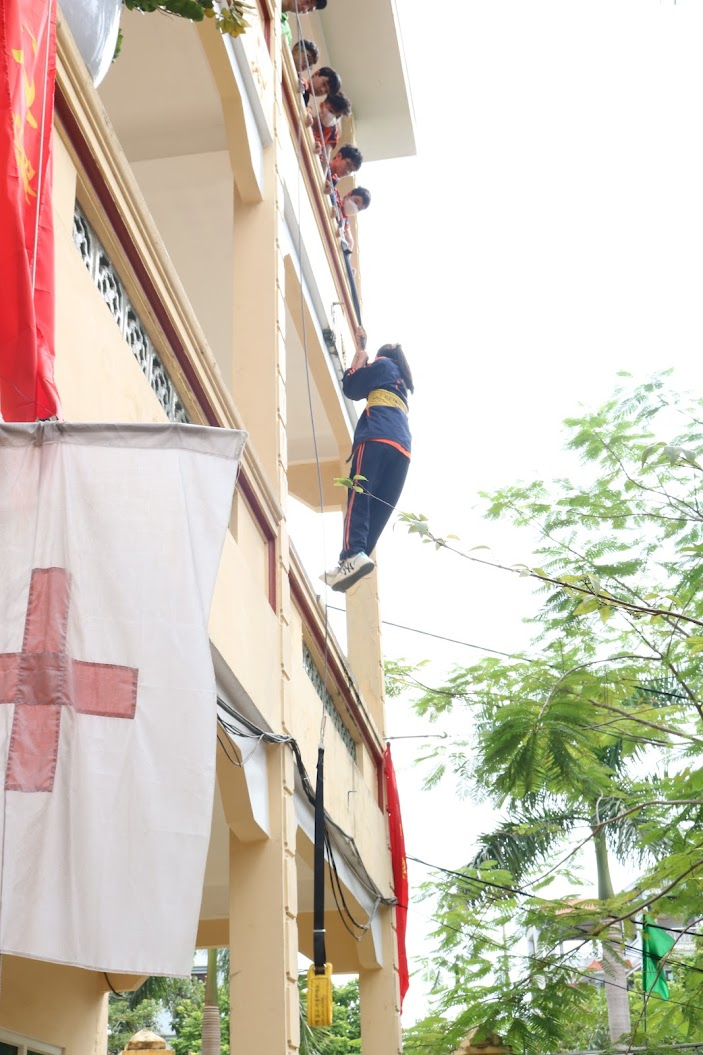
(353, 926)
(441, 637)
(550, 961)
(526, 893)
(526, 956)
(265, 736)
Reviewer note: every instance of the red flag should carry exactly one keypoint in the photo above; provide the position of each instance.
(27, 75)
(400, 869)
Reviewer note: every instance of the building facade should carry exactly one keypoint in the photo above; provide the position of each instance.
(200, 278)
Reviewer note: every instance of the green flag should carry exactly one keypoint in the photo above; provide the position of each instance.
(655, 945)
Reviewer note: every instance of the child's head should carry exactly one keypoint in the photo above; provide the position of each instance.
(338, 104)
(303, 7)
(305, 55)
(396, 353)
(348, 159)
(325, 81)
(356, 201)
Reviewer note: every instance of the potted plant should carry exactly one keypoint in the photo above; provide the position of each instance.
(230, 18)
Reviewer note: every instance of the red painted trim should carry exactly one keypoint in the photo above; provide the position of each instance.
(114, 217)
(357, 460)
(265, 23)
(341, 681)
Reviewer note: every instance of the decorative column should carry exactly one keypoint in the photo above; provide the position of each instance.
(145, 1040)
(492, 1045)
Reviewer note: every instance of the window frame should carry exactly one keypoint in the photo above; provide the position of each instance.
(24, 1043)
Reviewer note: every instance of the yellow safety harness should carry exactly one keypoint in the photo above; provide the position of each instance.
(381, 397)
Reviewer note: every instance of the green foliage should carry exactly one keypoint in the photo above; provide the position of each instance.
(187, 1017)
(352, 483)
(180, 998)
(124, 1020)
(591, 740)
(231, 19)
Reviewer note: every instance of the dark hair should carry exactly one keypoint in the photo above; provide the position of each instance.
(363, 193)
(320, 4)
(339, 104)
(396, 353)
(352, 154)
(310, 47)
(335, 81)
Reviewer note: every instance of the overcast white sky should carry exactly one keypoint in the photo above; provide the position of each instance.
(548, 234)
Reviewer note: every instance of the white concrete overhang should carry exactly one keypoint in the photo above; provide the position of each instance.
(160, 93)
(364, 44)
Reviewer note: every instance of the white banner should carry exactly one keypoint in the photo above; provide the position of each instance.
(110, 540)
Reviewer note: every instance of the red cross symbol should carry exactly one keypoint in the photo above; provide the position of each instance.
(43, 678)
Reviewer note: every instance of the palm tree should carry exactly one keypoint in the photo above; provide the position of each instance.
(212, 1035)
(545, 820)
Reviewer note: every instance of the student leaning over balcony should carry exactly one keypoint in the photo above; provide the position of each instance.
(325, 126)
(302, 7)
(324, 81)
(380, 455)
(348, 159)
(354, 202)
(305, 56)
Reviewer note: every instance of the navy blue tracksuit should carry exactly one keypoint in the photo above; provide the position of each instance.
(381, 453)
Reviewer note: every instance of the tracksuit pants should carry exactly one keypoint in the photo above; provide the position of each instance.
(385, 469)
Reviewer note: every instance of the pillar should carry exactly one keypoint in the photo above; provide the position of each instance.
(364, 645)
(491, 1045)
(263, 926)
(258, 356)
(379, 996)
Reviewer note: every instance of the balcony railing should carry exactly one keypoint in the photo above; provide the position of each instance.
(322, 691)
(131, 326)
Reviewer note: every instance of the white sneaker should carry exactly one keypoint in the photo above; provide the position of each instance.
(348, 571)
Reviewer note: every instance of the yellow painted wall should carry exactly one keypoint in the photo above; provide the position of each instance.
(58, 1005)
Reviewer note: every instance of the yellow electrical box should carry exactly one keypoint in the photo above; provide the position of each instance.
(320, 996)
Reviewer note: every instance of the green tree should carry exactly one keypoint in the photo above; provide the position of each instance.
(595, 734)
(124, 1020)
(188, 1021)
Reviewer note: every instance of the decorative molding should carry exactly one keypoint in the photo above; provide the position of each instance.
(131, 327)
(327, 701)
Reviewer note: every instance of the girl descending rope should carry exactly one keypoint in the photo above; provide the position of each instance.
(380, 455)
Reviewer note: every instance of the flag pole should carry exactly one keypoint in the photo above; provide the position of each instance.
(40, 187)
